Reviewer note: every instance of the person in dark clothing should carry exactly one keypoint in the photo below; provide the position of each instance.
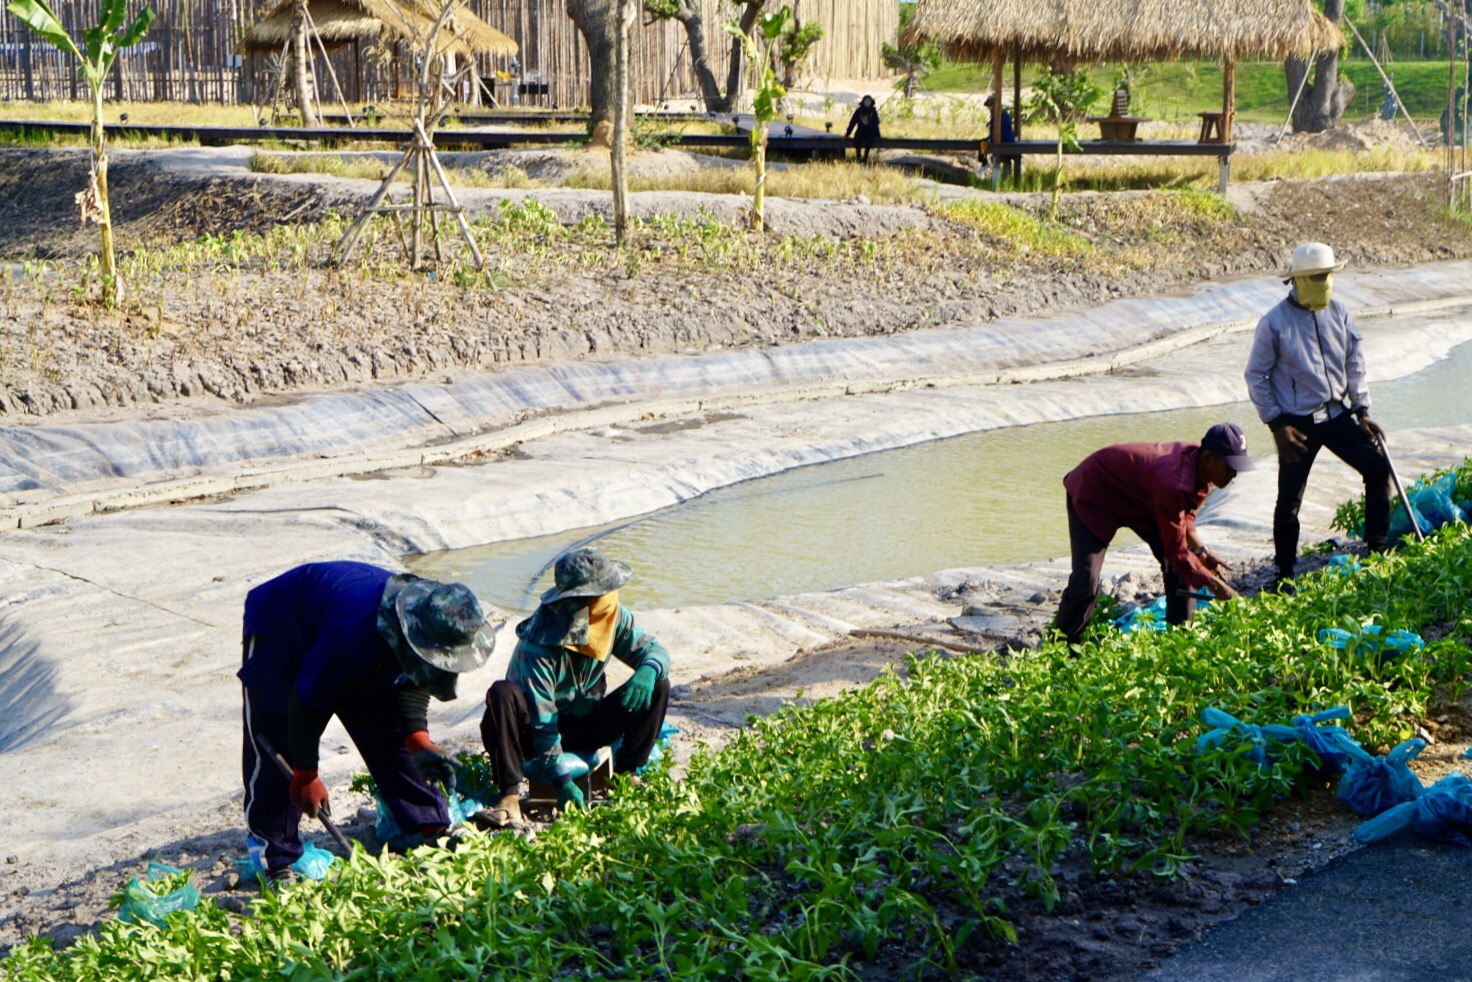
(1154, 490)
(1011, 165)
(863, 126)
(1306, 377)
(553, 697)
(370, 647)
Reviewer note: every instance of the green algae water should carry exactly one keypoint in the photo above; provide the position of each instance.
(984, 499)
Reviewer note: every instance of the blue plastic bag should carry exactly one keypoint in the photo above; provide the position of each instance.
(1434, 503)
(1371, 785)
(312, 864)
(388, 831)
(142, 906)
(1344, 564)
(1151, 617)
(1225, 726)
(1327, 742)
(1371, 642)
(1443, 813)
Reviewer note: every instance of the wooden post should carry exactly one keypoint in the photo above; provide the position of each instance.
(616, 157)
(1017, 92)
(1229, 98)
(998, 62)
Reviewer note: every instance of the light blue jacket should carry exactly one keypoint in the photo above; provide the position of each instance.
(1303, 362)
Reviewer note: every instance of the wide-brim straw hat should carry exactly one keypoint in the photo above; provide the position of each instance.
(586, 572)
(1311, 258)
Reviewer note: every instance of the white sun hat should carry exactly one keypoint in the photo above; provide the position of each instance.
(1310, 258)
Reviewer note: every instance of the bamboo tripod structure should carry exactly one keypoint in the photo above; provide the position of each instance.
(425, 172)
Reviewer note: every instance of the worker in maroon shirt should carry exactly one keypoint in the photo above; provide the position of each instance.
(1154, 490)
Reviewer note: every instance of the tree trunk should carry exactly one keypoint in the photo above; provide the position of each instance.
(106, 260)
(620, 175)
(705, 75)
(1323, 102)
(597, 21)
(301, 64)
(734, 74)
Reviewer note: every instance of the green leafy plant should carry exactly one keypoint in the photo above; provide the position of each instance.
(1063, 97)
(102, 45)
(759, 48)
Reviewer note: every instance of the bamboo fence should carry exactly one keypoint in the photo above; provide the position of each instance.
(192, 54)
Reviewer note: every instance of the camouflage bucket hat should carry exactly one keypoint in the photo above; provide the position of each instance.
(586, 572)
(442, 623)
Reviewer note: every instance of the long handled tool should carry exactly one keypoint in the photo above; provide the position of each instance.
(1400, 490)
(322, 815)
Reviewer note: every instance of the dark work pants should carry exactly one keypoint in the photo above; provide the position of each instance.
(506, 729)
(1081, 595)
(1344, 438)
(269, 811)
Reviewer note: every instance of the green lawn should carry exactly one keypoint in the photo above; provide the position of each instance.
(1178, 90)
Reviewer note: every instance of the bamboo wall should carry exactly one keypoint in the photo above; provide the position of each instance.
(189, 54)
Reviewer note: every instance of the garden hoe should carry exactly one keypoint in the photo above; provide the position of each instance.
(1400, 490)
(322, 814)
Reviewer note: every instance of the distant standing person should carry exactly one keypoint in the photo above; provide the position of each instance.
(1154, 490)
(1011, 165)
(863, 126)
(1306, 376)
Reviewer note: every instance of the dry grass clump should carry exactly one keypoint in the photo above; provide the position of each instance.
(369, 168)
(829, 180)
(1016, 227)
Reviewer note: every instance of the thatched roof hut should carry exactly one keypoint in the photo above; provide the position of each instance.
(343, 21)
(1125, 30)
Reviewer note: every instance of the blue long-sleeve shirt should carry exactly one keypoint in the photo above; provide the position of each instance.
(1304, 362)
(554, 677)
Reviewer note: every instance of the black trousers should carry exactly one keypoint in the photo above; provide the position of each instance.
(1344, 438)
(1081, 596)
(506, 729)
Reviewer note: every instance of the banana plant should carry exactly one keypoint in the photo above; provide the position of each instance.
(100, 47)
(759, 48)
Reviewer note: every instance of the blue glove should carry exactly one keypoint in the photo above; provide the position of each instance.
(639, 690)
(569, 795)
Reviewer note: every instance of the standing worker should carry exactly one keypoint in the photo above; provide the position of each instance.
(1154, 490)
(1306, 377)
(370, 647)
(863, 126)
(1011, 164)
(553, 697)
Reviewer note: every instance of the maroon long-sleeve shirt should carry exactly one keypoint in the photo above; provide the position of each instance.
(1143, 486)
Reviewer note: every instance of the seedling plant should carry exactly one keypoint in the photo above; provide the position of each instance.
(894, 818)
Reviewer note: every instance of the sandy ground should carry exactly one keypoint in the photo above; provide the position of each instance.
(115, 667)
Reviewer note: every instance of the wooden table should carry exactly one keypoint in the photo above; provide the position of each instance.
(1117, 129)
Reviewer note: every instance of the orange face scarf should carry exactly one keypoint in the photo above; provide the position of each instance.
(602, 620)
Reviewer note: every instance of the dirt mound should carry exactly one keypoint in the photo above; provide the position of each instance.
(1369, 133)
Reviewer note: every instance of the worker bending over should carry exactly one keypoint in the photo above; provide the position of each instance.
(1154, 490)
(370, 647)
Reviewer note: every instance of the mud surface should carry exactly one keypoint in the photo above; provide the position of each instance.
(221, 325)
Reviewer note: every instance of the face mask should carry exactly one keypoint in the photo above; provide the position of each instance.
(1313, 294)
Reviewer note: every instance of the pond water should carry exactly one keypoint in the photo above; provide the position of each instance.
(991, 498)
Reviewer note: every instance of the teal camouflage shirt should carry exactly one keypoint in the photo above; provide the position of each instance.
(555, 678)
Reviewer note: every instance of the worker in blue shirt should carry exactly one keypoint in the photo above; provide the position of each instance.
(370, 647)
